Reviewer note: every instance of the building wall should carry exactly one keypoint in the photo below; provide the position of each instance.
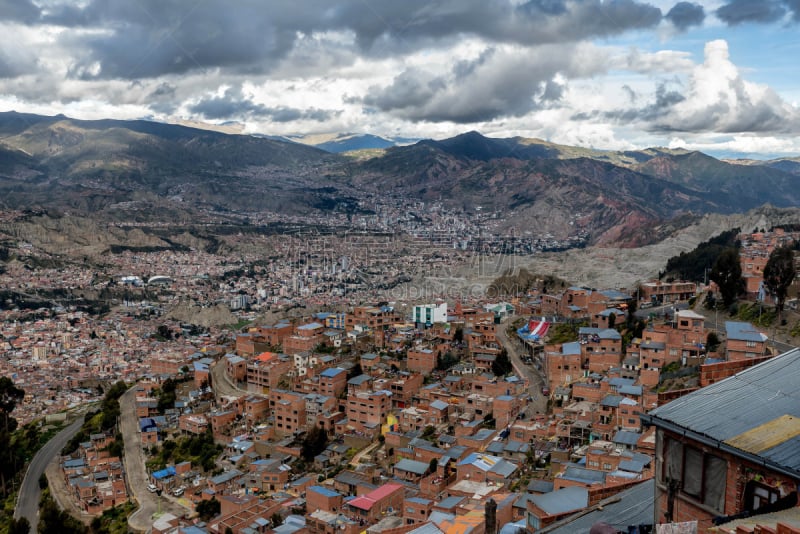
(289, 410)
(740, 475)
(422, 361)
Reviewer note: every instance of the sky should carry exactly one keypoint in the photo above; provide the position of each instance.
(720, 76)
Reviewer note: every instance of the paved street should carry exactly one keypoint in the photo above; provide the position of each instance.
(29, 493)
(515, 349)
(221, 383)
(135, 470)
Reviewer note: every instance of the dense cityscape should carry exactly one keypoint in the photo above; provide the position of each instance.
(293, 392)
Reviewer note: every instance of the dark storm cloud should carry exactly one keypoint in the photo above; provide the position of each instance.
(742, 11)
(235, 104)
(148, 38)
(18, 11)
(665, 99)
(683, 15)
(494, 85)
(163, 98)
(410, 89)
(794, 7)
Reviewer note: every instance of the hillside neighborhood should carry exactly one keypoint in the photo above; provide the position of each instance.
(555, 410)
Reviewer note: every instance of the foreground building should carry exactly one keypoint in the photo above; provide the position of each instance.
(731, 448)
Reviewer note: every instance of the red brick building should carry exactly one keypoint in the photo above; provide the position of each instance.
(744, 341)
(374, 504)
(421, 360)
(265, 371)
(289, 411)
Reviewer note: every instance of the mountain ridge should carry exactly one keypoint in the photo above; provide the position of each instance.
(110, 168)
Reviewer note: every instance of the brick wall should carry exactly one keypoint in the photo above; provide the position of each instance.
(714, 372)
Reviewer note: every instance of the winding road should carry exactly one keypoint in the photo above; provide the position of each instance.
(514, 347)
(136, 471)
(221, 383)
(29, 493)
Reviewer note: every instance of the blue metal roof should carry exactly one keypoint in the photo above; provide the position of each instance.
(624, 437)
(332, 372)
(324, 491)
(743, 332)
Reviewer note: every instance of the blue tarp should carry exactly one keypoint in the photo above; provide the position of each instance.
(164, 473)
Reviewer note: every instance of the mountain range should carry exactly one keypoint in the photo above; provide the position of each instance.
(145, 170)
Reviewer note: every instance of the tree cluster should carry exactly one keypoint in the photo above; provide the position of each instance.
(200, 450)
(692, 265)
(727, 274)
(779, 273)
(10, 395)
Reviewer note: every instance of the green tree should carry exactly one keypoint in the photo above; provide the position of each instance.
(10, 394)
(779, 273)
(446, 361)
(712, 341)
(207, 509)
(276, 519)
(19, 526)
(314, 443)
(727, 273)
(501, 365)
(55, 521)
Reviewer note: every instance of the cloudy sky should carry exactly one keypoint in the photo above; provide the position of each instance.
(720, 76)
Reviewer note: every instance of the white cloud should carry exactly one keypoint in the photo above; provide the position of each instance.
(719, 99)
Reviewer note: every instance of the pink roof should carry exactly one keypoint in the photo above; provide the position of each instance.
(365, 502)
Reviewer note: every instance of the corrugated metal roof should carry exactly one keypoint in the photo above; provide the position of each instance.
(562, 501)
(743, 332)
(581, 474)
(768, 435)
(427, 528)
(412, 466)
(731, 407)
(611, 400)
(634, 507)
(625, 437)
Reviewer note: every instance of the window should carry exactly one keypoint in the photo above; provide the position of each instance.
(701, 476)
(751, 344)
(757, 495)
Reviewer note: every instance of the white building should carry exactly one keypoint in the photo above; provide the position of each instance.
(430, 313)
